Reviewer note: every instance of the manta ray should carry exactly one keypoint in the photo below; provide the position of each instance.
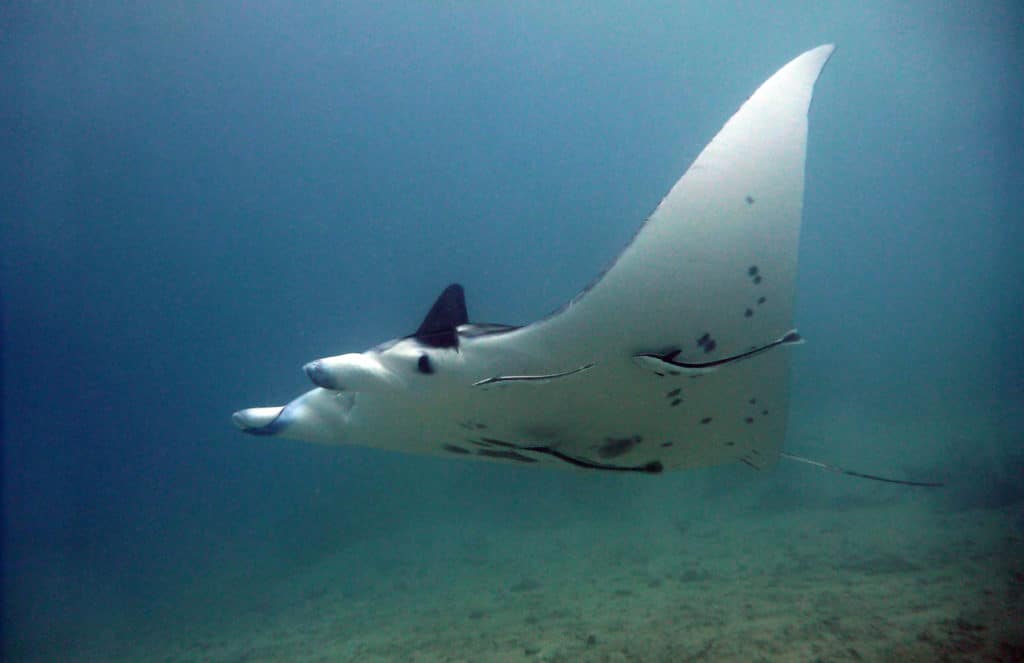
(676, 357)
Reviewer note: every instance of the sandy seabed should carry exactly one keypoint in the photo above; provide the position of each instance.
(723, 564)
(902, 582)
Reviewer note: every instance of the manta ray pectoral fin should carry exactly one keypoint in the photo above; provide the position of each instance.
(530, 379)
(668, 363)
(353, 371)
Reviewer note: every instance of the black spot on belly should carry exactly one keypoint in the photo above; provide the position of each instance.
(749, 420)
(757, 279)
(753, 401)
(730, 444)
(676, 401)
(480, 426)
(673, 393)
(706, 420)
(764, 413)
(748, 313)
(706, 343)
(614, 447)
(667, 444)
(752, 270)
(761, 300)
(424, 366)
(454, 449)
(505, 455)
(750, 200)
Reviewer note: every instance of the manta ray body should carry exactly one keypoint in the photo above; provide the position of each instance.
(675, 358)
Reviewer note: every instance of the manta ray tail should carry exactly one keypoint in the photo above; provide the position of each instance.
(859, 475)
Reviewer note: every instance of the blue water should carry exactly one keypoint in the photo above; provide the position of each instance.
(197, 200)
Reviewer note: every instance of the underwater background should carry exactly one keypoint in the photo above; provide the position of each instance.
(199, 198)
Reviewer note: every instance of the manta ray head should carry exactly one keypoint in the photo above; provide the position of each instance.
(400, 366)
(391, 365)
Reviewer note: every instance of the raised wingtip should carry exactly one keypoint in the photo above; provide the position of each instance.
(823, 52)
(827, 50)
(814, 59)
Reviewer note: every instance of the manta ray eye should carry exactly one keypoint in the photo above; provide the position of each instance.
(424, 365)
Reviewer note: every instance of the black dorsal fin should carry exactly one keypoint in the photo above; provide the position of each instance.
(448, 312)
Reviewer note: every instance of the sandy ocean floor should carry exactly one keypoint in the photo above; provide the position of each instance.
(723, 564)
(853, 581)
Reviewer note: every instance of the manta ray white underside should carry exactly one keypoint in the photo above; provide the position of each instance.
(673, 359)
